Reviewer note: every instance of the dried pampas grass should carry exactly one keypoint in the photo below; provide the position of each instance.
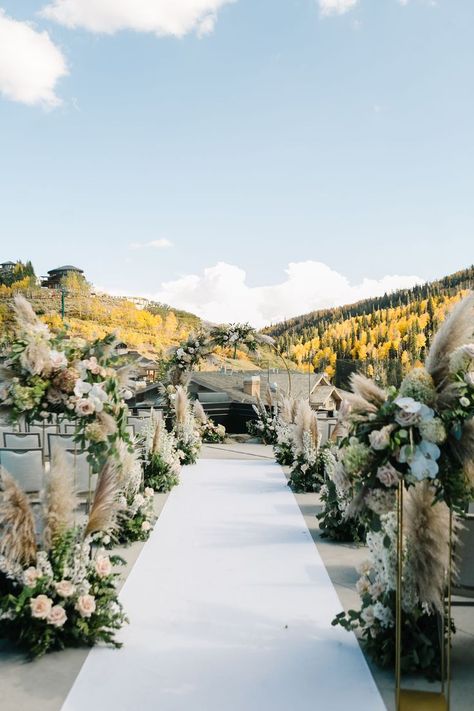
(457, 330)
(342, 423)
(128, 468)
(199, 413)
(286, 410)
(125, 376)
(107, 423)
(426, 528)
(303, 423)
(314, 430)
(105, 506)
(157, 423)
(17, 523)
(59, 498)
(181, 404)
(24, 314)
(367, 390)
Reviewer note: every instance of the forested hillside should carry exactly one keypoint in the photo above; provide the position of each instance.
(381, 337)
(150, 330)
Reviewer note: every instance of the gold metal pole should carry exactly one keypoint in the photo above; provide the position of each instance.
(398, 616)
(448, 641)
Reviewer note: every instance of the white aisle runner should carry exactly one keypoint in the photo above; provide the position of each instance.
(230, 608)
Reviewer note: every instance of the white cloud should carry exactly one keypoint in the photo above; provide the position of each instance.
(336, 7)
(221, 292)
(161, 17)
(30, 63)
(156, 244)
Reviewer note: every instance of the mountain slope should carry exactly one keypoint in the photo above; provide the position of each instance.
(382, 337)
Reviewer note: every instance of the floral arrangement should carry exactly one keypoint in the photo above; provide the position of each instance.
(57, 590)
(333, 521)
(46, 375)
(233, 335)
(186, 430)
(186, 357)
(210, 432)
(136, 516)
(265, 425)
(285, 427)
(139, 519)
(162, 465)
(305, 475)
(422, 437)
(377, 584)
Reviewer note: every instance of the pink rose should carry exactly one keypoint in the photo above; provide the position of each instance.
(103, 566)
(85, 605)
(84, 407)
(30, 576)
(41, 606)
(57, 617)
(65, 588)
(388, 475)
(146, 525)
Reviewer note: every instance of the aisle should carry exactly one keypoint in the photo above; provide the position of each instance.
(230, 608)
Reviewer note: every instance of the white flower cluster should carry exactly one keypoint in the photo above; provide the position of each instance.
(379, 574)
(187, 433)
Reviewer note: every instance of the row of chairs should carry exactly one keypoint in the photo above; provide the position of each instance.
(27, 468)
(38, 437)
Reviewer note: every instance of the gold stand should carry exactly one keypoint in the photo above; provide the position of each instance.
(407, 699)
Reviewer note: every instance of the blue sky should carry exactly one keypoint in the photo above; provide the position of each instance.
(270, 133)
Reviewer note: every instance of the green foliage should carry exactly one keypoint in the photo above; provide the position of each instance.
(333, 523)
(283, 453)
(420, 639)
(159, 474)
(305, 475)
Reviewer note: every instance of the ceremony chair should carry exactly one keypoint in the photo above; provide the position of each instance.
(25, 466)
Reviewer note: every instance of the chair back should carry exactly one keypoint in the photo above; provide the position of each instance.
(25, 466)
(21, 440)
(63, 441)
(43, 431)
(139, 423)
(84, 481)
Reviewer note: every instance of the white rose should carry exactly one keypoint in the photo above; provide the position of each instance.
(149, 491)
(464, 401)
(57, 359)
(380, 439)
(57, 617)
(146, 525)
(469, 379)
(98, 396)
(81, 388)
(103, 566)
(30, 576)
(362, 586)
(85, 605)
(41, 606)
(364, 568)
(65, 588)
(368, 615)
